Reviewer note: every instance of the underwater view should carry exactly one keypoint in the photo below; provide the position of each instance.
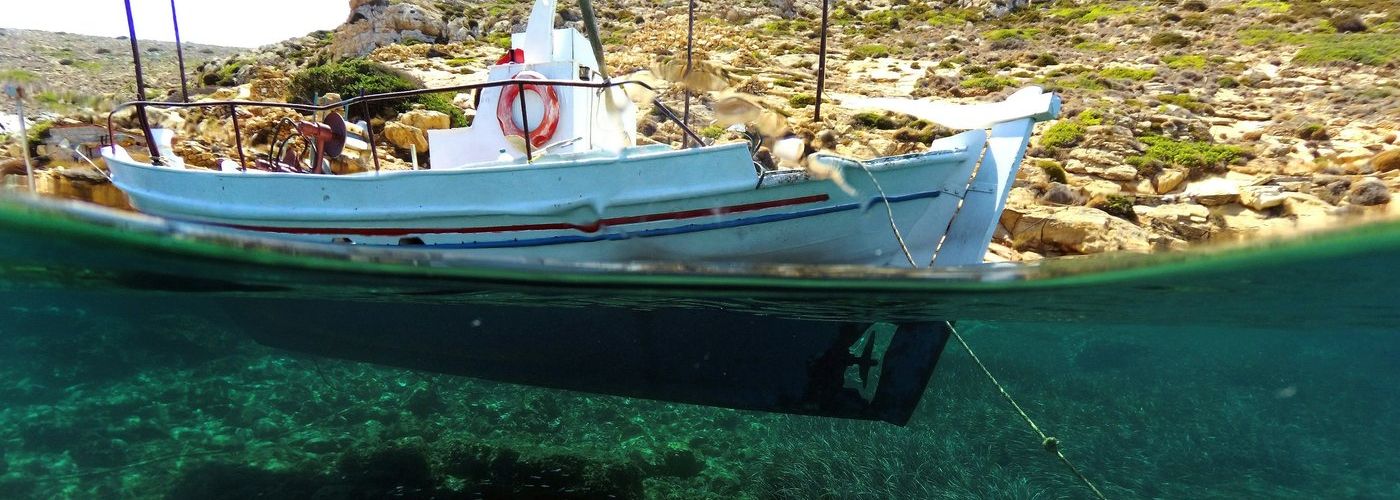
(128, 395)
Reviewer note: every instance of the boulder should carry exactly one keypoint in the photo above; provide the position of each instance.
(1262, 197)
(1213, 192)
(405, 136)
(1188, 221)
(426, 120)
(1168, 180)
(375, 23)
(1369, 192)
(1076, 230)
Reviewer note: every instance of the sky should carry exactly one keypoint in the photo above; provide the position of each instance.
(233, 23)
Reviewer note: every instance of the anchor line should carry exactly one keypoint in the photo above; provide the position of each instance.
(890, 210)
(1050, 443)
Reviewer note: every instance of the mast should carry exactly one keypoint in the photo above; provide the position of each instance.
(179, 53)
(140, 88)
(590, 23)
(821, 64)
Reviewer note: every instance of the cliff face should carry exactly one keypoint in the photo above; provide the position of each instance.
(1186, 121)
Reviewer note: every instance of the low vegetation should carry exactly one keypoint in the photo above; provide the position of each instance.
(354, 77)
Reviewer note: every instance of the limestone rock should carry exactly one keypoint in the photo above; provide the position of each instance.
(994, 8)
(403, 136)
(1386, 161)
(1169, 180)
(1188, 221)
(1369, 192)
(1120, 173)
(375, 24)
(425, 120)
(1262, 197)
(1213, 192)
(1060, 194)
(1078, 230)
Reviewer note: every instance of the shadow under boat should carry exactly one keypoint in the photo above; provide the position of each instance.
(698, 356)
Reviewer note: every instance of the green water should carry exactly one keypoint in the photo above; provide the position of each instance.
(1267, 372)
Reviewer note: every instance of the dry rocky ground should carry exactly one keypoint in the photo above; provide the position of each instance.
(1185, 121)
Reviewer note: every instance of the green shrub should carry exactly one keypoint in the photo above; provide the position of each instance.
(1313, 132)
(1053, 170)
(1227, 82)
(1063, 133)
(1118, 206)
(712, 132)
(1373, 49)
(1169, 38)
(990, 83)
(875, 120)
(1018, 33)
(802, 100)
(1194, 155)
(872, 51)
(1124, 73)
(37, 134)
(1186, 61)
(353, 77)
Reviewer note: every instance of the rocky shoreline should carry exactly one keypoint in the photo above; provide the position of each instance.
(1186, 121)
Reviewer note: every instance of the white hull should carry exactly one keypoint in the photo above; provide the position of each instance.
(703, 204)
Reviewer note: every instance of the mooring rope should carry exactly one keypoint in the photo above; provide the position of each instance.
(1049, 442)
(890, 210)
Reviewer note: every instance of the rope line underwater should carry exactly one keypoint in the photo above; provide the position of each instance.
(1050, 443)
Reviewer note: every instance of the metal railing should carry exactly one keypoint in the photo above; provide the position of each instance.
(365, 100)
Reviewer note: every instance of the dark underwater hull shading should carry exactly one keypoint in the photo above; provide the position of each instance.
(775, 338)
(708, 357)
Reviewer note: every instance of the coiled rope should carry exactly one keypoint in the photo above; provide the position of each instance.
(1048, 442)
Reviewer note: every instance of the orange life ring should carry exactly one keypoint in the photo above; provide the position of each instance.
(510, 96)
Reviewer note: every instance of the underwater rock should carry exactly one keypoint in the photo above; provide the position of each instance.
(498, 472)
(225, 481)
(679, 460)
(395, 471)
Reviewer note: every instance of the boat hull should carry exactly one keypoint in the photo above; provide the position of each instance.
(702, 204)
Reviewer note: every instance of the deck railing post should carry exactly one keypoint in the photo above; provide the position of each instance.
(525, 125)
(369, 133)
(237, 137)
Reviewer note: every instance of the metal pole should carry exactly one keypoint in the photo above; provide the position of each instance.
(689, 50)
(369, 133)
(821, 64)
(525, 125)
(238, 137)
(140, 88)
(24, 138)
(179, 53)
(590, 23)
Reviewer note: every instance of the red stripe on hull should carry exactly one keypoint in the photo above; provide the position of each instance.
(587, 228)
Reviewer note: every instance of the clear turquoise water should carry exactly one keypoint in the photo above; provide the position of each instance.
(1268, 376)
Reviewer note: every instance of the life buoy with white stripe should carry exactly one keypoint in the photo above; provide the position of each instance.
(510, 96)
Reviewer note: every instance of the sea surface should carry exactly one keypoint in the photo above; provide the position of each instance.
(109, 390)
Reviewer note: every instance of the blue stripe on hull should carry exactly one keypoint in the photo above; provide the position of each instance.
(689, 228)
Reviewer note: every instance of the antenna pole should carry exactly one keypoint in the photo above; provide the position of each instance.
(821, 64)
(689, 55)
(24, 136)
(179, 53)
(140, 88)
(590, 23)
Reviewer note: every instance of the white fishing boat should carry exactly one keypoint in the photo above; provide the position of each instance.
(550, 170)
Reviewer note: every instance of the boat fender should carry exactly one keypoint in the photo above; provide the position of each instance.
(505, 107)
(512, 56)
